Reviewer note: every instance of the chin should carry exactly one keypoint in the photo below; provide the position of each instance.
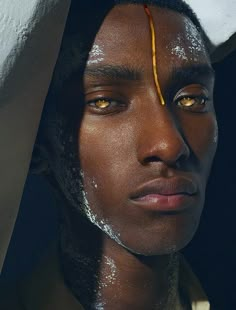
(161, 239)
(157, 249)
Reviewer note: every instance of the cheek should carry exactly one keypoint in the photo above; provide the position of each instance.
(106, 153)
(201, 133)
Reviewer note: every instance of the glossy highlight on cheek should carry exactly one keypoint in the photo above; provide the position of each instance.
(154, 54)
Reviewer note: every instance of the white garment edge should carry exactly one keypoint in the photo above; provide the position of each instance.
(30, 37)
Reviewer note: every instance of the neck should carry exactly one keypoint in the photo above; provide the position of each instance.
(136, 282)
(102, 273)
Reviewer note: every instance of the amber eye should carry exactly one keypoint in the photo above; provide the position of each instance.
(102, 104)
(105, 106)
(192, 103)
(189, 102)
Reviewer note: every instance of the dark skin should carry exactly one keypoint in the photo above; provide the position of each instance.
(127, 139)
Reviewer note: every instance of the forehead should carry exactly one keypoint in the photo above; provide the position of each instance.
(124, 37)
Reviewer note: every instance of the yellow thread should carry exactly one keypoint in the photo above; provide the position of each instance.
(154, 54)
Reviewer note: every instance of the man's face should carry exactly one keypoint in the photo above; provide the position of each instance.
(144, 165)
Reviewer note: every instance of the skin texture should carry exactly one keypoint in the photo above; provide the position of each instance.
(136, 140)
(128, 139)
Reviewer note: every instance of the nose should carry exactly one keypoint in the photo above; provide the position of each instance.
(161, 139)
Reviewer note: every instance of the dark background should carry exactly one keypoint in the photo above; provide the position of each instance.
(212, 253)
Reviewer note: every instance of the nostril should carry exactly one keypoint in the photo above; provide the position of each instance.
(174, 155)
(151, 159)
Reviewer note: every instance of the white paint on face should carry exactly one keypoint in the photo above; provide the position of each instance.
(100, 306)
(93, 218)
(96, 51)
(196, 44)
(94, 183)
(215, 139)
(189, 46)
(216, 135)
(96, 55)
(103, 224)
(177, 49)
(100, 223)
(180, 52)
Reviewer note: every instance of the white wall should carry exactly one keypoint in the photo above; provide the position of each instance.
(217, 16)
(30, 34)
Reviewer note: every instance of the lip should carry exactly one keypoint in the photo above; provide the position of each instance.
(166, 194)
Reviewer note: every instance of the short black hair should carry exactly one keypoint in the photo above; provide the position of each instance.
(59, 125)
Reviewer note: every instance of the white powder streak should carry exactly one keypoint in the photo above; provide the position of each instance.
(99, 306)
(194, 38)
(96, 55)
(101, 223)
(95, 61)
(215, 139)
(195, 45)
(177, 48)
(94, 183)
(180, 52)
(96, 51)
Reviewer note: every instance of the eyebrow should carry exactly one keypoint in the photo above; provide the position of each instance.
(179, 75)
(115, 72)
(186, 75)
(192, 72)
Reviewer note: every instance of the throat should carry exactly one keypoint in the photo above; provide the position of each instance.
(102, 274)
(138, 283)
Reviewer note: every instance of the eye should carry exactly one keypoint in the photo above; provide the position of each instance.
(106, 106)
(194, 104)
(102, 103)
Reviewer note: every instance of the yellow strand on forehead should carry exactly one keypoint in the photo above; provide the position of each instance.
(154, 54)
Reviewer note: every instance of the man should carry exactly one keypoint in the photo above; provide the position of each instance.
(129, 137)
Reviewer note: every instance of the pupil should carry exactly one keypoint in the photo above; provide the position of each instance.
(188, 102)
(102, 104)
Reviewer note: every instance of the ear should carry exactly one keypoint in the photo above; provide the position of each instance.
(39, 161)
